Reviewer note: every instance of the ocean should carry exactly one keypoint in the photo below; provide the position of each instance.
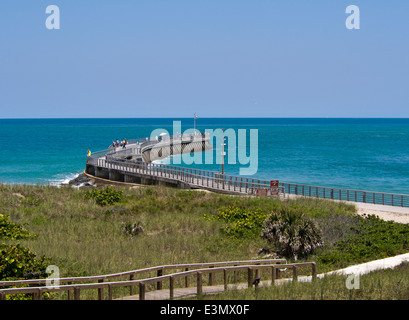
(360, 154)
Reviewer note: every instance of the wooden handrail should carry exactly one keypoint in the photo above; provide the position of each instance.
(138, 271)
(250, 268)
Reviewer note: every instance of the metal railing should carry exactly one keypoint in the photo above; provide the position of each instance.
(215, 180)
(371, 197)
(197, 177)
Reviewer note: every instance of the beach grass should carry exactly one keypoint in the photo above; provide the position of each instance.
(388, 284)
(84, 238)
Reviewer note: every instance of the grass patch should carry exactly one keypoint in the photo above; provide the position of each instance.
(156, 225)
(389, 284)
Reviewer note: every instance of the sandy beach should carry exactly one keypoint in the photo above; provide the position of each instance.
(389, 213)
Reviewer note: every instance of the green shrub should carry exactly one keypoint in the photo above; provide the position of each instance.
(373, 238)
(132, 229)
(10, 230)
(17, 262)
(292, 233)
(31, 201)
(105, 197)
(241, 222)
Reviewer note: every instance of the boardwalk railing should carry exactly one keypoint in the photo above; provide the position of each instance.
(253, 268)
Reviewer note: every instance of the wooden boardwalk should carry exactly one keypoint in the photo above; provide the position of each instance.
(183, 293)
(104, 283)
(191, 292)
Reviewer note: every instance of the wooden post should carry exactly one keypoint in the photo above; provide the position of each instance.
(101, 290)
(273, 275)
(225, 279)
(314, 271)
(171, 287)
(77, 293)
(249, 277)
(211, 277)
(38, 295)
(131, 277)
(187, 279)
(69, 291)
(295, 273)
(159, 283)
(199, 283)
(109, 292)
(142, 291)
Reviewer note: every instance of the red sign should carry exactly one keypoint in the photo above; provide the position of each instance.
(261, 192)
(274, 187)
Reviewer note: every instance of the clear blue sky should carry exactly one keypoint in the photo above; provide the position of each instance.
(218, 58)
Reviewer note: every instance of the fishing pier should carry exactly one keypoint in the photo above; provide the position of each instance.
(134, 164)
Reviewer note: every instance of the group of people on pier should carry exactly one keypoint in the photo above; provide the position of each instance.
(117, 143)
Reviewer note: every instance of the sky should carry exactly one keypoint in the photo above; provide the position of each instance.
(215, 58)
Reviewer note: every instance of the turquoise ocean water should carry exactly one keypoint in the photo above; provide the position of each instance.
(362, 154)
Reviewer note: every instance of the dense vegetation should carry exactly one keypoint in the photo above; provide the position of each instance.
(17, 262)
(99, 231)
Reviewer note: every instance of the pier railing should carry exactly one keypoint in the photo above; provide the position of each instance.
(216, 180)
(201, 178)
(371, 197)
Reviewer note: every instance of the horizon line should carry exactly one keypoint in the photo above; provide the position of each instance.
(205, 117)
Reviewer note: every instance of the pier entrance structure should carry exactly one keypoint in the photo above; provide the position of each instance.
(133, 164)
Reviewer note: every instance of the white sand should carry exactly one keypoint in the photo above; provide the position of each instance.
(389, 213)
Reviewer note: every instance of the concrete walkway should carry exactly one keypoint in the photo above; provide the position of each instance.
(387, 263)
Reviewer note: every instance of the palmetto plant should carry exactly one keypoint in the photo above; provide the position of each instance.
(292, 233)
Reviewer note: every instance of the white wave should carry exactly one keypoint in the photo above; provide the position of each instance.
(62, 179)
